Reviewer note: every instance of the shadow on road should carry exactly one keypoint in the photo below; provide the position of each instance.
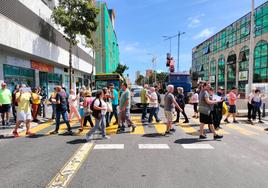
(77, 141)
(153, 135)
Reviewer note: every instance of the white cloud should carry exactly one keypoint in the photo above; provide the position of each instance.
(195, 21)
(205, 33)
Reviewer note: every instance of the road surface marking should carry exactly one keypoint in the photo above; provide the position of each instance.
(188, 129)
(197, 146)
(160, 127)
(241, 130)
(63, 127)
(220, 131)
(153, 146)
(256, 127)
(63, 178)
(112, 129)
(109, 146)
(38, 128)
(138, 130)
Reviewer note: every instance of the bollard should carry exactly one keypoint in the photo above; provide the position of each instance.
(263, 110)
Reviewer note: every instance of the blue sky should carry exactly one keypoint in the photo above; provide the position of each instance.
(140, 25)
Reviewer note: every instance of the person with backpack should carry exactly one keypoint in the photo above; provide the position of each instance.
(159, 103)
(99, 109)
(61, 110)
(257, 103)
(181, 101)
(87, 109)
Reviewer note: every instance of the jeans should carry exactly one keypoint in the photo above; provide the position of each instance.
(114, 113)
(183, 113)
(156, 114)
(53, 111)
(64, 115)
(255, 111)
(86, 119)
(98, 122)
(152, 114)
(125, 117)
(144, 111)
(250, 110)
(107, 118)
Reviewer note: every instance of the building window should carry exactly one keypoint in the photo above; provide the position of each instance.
(221, 70)
(260, 62)
(243, 60)
(261, 20)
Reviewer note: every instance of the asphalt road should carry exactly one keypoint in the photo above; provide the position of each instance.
(240, 159)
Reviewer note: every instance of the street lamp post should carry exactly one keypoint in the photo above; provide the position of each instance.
(251, 48)
(154, 58)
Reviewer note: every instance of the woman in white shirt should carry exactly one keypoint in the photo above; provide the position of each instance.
(73, 106)
(153, 104)
(195, 101)
(99, 111)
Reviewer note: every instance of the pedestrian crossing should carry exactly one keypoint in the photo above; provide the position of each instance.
(191, 128)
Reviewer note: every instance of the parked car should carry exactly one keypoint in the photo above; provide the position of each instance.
(136, 98)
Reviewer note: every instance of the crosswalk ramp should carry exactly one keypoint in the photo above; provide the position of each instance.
(191, 129)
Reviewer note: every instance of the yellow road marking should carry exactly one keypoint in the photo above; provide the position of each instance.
(112, 129)
(188, 129)
(241, 130)
(62, 128)
(220, 131)
(255, 127)
(64, 177)
(139, 130)
(160, 127)
(38, 128)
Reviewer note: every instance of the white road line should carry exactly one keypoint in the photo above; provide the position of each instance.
(197, 146)
(109, 146)
(153, 146)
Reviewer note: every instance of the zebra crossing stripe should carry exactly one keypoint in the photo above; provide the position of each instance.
(153, 146)
(109, 146)
(197, 146)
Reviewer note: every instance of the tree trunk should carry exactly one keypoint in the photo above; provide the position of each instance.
(70, 66)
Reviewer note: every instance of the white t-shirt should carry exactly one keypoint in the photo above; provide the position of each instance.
(194, 98)
(103, 105)
(72, 101)
(153, 100)
(256, 98)
(250, 97)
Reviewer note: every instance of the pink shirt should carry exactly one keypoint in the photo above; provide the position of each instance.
(87, 101)
(232, 98)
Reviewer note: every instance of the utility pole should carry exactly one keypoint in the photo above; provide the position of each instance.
(179, 37)
(251, 48)
(154, 67)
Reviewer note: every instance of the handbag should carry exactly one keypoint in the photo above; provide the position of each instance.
(109, 107)
(204, 110)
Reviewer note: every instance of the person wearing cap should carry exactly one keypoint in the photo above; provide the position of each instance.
(5, 103)
(115, 102)
(232, 98)
(24, 114)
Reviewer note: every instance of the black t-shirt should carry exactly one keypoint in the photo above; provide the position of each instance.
(62, 97)
(180, 99)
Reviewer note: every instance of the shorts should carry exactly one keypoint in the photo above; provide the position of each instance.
(206, 119)
(23, 116)
(169, 115)
(5, 108)
(232, 109)
(81, 112)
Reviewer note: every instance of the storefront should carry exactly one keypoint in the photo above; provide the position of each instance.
(14, 75)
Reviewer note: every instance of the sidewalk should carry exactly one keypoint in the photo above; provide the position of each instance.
(7, 130)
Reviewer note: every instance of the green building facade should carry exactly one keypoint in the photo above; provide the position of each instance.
(223, 59)
(107, 51)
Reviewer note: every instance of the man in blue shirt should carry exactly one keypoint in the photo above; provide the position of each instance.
(115, 99)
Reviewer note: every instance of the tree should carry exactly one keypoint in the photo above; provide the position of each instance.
(140, 80)
(77, 17)
(120, 69)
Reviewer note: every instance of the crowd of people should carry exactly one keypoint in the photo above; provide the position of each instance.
(209, 106)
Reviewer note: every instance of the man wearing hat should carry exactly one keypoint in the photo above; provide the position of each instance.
(5, 103)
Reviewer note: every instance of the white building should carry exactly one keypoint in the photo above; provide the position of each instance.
(33, 50)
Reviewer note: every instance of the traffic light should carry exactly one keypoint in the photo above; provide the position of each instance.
(168, 59)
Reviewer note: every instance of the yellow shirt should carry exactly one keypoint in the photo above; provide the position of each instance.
(24, 104)
(36, 98)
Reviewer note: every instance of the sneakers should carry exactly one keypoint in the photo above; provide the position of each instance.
(173, 130)
(168, 132)
(235, 121)
(89, 138)
(202, 137)
(266, 129)
(217, 137)
(115, 123)
(69, 133)
(53, 132)
(186, 121)
(261, 121)
(16, 134)
(226, 121)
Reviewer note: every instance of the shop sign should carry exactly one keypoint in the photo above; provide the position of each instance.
(243, 76)
(212, 79)
(41, 67)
